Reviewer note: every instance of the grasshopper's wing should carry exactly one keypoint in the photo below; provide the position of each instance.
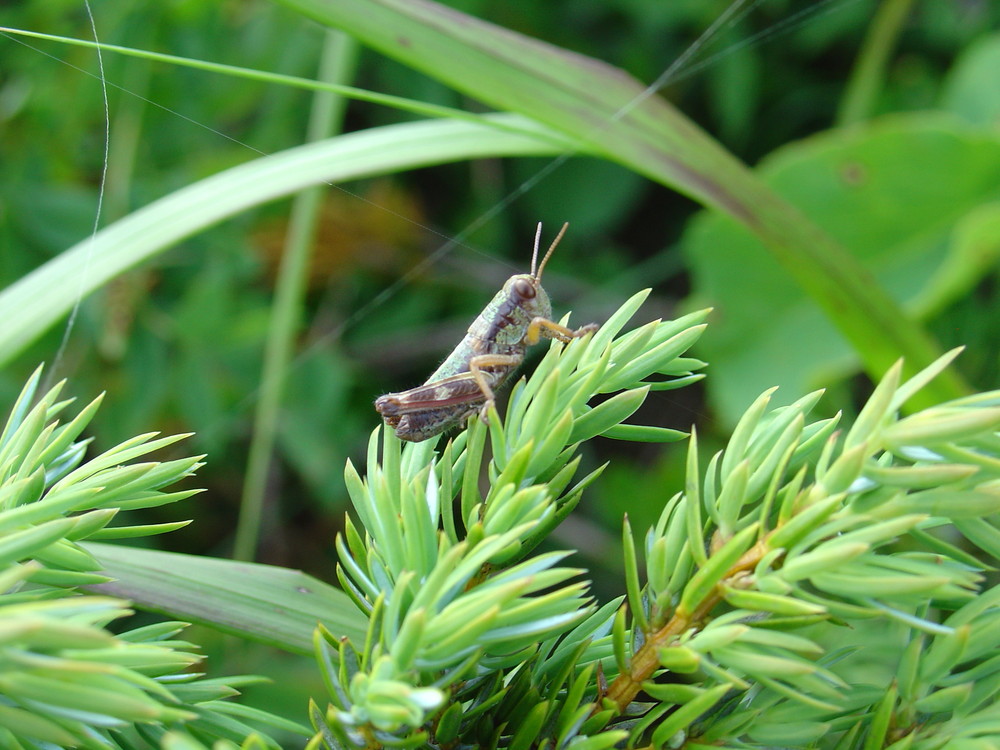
(461, 389)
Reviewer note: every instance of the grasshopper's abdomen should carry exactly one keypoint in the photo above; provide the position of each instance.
(422, 425)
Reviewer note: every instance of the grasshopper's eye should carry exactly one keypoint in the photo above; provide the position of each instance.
(524, 289)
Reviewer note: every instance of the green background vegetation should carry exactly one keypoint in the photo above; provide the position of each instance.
(899, 162)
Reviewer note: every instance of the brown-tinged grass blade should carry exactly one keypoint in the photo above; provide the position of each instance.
(609, 114)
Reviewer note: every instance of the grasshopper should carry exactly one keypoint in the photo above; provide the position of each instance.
(465, 383)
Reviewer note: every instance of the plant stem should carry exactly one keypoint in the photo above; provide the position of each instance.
(869, 70)
(325, 118)
(646, 660)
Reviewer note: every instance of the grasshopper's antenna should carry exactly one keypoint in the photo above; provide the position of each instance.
(534, 255)
(548, 252)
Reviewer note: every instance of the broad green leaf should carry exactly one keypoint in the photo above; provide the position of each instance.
(971, 89)
(273, 605)
(914, 199)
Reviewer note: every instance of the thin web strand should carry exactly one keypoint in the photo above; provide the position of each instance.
(735, 12)
(236, 141)
(730, 15)
(683, 67)
(101, 189)
(780, 28)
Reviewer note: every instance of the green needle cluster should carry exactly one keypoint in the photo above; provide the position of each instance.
(65, 679)
(792, 566)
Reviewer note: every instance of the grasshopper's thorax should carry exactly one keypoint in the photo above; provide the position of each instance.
(505, 320)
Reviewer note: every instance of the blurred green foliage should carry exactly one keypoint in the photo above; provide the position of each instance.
(178, 342)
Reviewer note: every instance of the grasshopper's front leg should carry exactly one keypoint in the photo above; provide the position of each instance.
(506, 363)
(540, 327)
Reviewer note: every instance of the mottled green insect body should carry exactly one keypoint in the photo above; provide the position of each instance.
(500, 328)
(484, 360)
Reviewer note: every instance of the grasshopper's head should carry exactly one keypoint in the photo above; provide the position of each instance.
(525, 289)
(521, 300)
